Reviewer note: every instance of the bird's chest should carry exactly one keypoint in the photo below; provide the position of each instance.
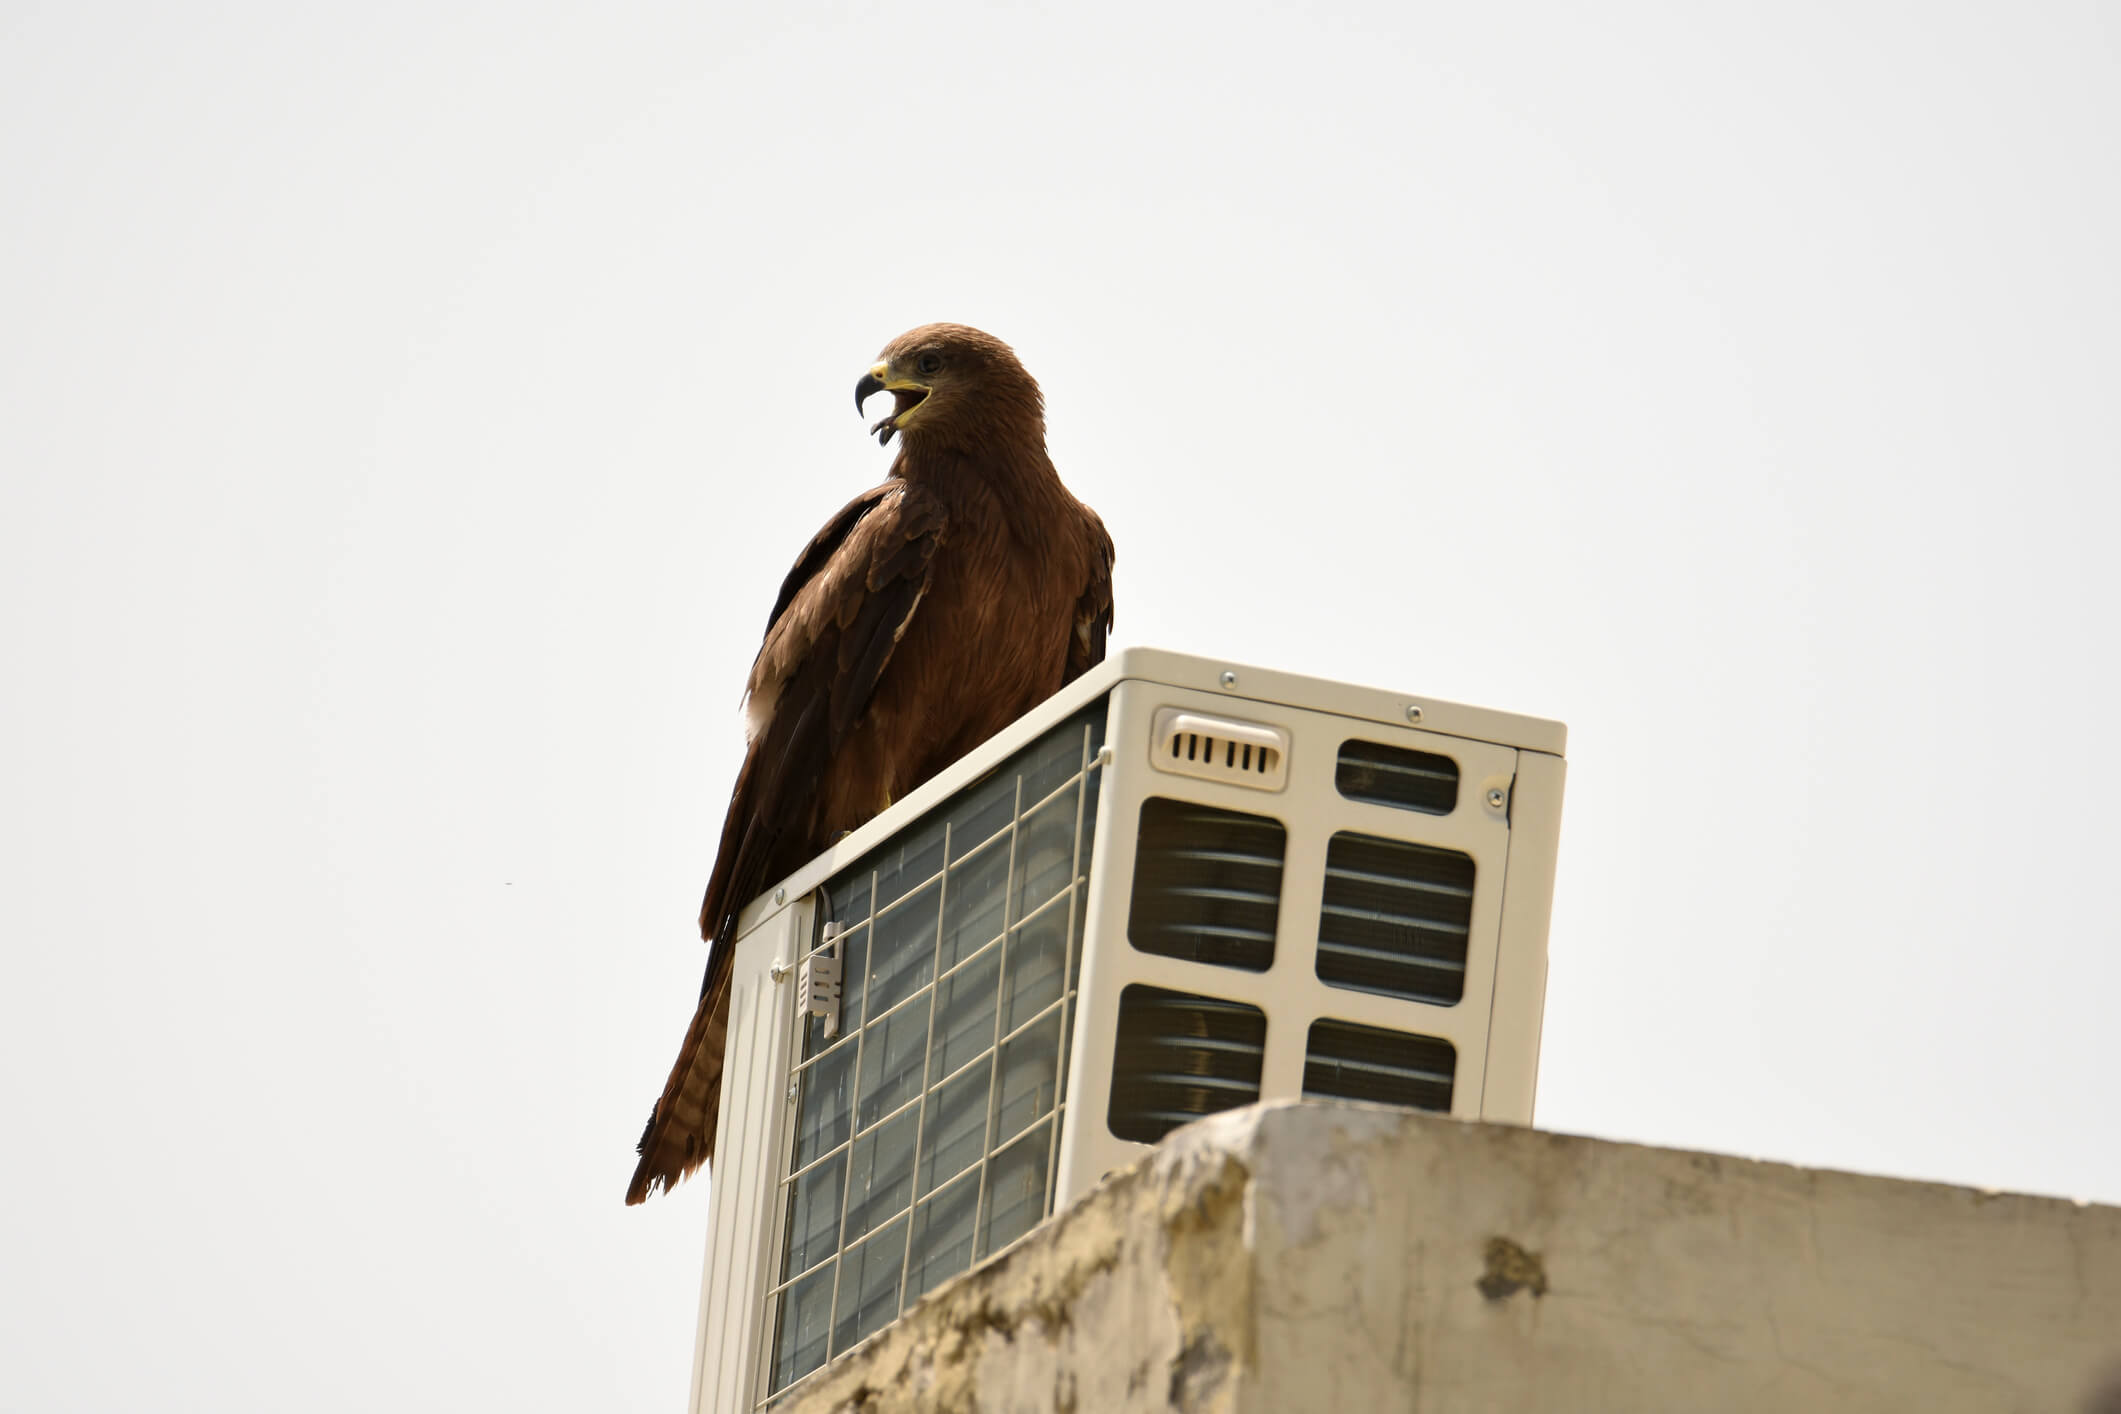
(995, 588)
(993, 628)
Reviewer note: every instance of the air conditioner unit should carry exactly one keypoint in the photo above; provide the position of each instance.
(1176, 887)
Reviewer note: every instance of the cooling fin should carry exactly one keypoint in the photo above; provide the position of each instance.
(1396, 918)
(1179, 1057)
(1207, 884)
(1344, 1061)
(1396, 776)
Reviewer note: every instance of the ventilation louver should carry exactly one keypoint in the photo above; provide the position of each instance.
(1396, 918)
(1179, 1057)
(1207, 884)
(1219, 749)
(1396, 776)
(1345, 1061)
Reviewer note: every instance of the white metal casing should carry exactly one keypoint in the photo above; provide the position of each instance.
(1494, 1027)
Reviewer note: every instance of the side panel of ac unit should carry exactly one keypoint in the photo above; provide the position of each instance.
(1312, 810)
(1521, 955)
(750, 1149)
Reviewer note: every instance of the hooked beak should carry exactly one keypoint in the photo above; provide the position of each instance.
(906, 394)
(868, 388)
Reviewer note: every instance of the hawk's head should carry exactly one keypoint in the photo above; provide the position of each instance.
(951, 384)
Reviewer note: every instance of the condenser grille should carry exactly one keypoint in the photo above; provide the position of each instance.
(1207, 884)
(1396, 918)
(1393, 775)
(923, 1134)
(1344, 1061)
(1179, 1057)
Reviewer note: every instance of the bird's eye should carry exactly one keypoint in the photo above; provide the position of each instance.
(929, 363)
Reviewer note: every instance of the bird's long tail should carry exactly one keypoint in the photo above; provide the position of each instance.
(680, 1133)
(753, 851)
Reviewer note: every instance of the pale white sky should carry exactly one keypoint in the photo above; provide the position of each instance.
(407, 412)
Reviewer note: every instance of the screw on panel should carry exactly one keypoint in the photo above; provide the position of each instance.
(1229, 679)
(1413, 711)
(791, 1091)
(780, 896)
(1496, 798)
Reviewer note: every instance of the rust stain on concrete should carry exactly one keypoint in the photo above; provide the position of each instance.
(1511, 1269)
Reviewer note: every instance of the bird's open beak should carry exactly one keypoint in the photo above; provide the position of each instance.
(906, 396)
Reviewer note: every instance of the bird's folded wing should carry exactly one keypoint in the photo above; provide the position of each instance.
(1093, 611)
(841, 611)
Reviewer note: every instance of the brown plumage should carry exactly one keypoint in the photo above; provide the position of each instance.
(931, 612)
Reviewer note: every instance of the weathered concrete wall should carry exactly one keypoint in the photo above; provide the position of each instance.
(1300, 1257)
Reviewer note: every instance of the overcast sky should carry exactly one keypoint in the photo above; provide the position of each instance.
(407, 412)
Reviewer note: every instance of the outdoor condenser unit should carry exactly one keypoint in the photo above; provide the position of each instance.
(1178, 886)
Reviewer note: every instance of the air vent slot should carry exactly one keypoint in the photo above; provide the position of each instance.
(1392, 775)
(1396, 918)
(1179, 1057)
(1207, 884)
(1344, 1061)
(1249, 754)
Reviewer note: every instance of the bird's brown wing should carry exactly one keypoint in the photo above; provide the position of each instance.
(1093, 612)
(840, 613)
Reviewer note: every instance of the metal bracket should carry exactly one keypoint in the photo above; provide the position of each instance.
(817, 990)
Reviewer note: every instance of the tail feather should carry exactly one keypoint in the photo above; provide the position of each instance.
(681, 1128)
(758, 844)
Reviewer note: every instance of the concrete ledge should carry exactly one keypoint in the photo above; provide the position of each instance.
(1341, 1257)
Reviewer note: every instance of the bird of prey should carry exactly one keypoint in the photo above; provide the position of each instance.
(927, 615)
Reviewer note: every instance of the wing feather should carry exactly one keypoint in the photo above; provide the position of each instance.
(1093, 611)
(824, 545)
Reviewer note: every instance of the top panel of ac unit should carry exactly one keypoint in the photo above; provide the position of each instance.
(1370, 704)
(1237, 681)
